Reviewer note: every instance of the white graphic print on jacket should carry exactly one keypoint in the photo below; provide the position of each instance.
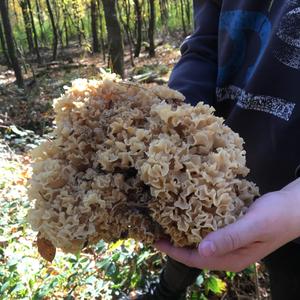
(288, 52)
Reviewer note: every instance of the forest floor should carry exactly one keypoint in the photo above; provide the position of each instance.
(109, 270)
(33, 109)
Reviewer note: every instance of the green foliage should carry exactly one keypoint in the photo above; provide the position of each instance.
(78, 19)
(215, 285)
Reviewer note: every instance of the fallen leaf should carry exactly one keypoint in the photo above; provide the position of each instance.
(46, 249)
(52, 271)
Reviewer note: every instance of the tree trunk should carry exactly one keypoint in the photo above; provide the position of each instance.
(182, 18)
(10, 43)
(59, 29)
(188, 13)
(164, 13)
(65, 25)
(56, 10)
(127, 5)
(151, 29)
(127, 30)
(82, 28)
(101, 29)
(35, 36)
(114, 36)
(72, 22)
(138, 13)
(75, 9)
(27, 24)
(3, 46)
(94, 26)
(54, 30)
(15, 12)
(41, 20)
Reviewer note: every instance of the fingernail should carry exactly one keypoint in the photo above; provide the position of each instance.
(207, 248)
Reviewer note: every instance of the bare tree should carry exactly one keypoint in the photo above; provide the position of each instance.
(101, 29)
(57, 16)
(40, 19)
(188, 12)
(3, 46)
(126, 27)
(10, 43)
(151, 30)
(182, 17)
(139, 24)
(114, 36)
(163, 5)
(54, 30)
(27, 24)
(77, 22)
(15, 11)
(35, 36)
(65, 24)
(94, 26)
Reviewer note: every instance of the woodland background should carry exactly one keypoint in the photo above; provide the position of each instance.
(44, 45)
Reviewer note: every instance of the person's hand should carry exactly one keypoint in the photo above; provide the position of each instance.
(272, 221)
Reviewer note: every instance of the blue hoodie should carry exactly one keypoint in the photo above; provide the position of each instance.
(244, 59)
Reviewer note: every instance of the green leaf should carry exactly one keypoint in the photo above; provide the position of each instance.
(116, 256)
(199, 280)
(250, 270)
(115, 245)
(54, 283)
(31, 283)
(78, 255)
(17, 131)
(19, 287)
(142, 257)
(91, 280)
(111, 269)
(12, 266)
(5, 286)
(40, 294)
(100, 246)
(135, 280)
(230, 275)
(215, 284)
(103, 264)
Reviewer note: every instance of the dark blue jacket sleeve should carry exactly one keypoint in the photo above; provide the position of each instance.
(195, 74)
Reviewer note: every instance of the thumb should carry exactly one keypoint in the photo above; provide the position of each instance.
(229, 238)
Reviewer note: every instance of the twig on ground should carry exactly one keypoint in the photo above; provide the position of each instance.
(256, 282)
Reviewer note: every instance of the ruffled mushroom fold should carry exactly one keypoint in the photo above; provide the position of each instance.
(130, 161)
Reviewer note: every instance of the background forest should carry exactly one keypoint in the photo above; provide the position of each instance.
(44, 45)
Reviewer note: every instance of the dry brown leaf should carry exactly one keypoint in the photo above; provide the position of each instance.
(46, 249)
(53, 271)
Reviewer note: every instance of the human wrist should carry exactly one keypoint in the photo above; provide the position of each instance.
(291, 198)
